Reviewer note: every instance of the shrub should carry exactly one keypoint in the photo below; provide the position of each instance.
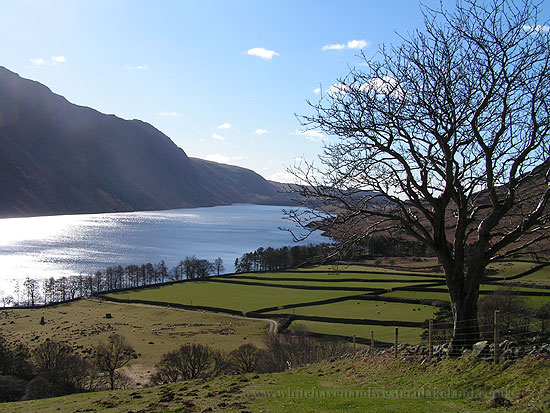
(298, 349)
(189, 362)
(11, 388)
(244, 359)
(66, 372)
(514, 318)
(39, 388)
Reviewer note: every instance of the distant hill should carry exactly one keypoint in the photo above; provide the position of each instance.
(60, 158)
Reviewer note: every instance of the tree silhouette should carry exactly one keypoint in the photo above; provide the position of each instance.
(113, 355)
(443, 139)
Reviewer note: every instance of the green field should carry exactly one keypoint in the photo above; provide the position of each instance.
(324, 273)
(239, 297)
(367, 269)
(408, 335)
(249, 298)
(366, 286)
(374, 310)
(509, 269)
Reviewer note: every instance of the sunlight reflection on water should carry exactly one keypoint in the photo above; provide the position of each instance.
(64, 245)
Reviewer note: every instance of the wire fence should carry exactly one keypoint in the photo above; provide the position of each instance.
(516, 333)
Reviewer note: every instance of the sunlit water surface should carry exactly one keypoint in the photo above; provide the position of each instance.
(40, 247)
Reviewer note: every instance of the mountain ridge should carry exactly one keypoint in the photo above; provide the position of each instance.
(60, 158)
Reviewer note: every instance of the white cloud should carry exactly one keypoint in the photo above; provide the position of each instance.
(138, 67)
(338, 89)
(38, 61)
(284, 177)
(216, 157)
(358, 44)
(337, 46)
(59, 59)
(386, 85)
(317, 90)
(352, 44)
(225, 125)
(218, 137)
(311, 135)
(169, 114)
(537, 28)
(263, 53)
(54, 61)
(261, 131)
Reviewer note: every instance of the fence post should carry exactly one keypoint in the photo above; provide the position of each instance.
(354, 345)
(496, 336)
(396, 340)
(430, 337)
(372, 343)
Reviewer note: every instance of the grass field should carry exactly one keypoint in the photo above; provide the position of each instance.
(374, 310)
(367, 269)
(247, 298)
(231, 296)
(380, 384)
(325, 273)
(408, 335)
(152, 331)
(509, 269)
(367, 286)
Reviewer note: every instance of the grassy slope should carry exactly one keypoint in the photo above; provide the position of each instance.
(382, 384)
(82, 324)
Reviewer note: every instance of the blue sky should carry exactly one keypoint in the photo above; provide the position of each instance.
(223, 79)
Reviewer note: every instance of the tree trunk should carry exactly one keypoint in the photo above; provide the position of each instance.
(112, 379)
(466, 329)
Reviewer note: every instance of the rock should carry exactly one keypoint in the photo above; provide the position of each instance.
(498, 401)
(480, 349)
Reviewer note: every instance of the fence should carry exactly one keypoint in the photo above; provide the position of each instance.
(510, 334)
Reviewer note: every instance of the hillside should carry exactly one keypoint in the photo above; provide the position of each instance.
(61, 158)
(336, 302)
(353, 384)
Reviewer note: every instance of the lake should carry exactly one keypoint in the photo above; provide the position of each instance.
(40, 247)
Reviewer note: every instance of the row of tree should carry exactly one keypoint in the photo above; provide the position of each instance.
(51, 290)
(272, 259)
(34, 291)
(55, 369)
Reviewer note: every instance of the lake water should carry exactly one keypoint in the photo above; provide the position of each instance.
(41, 247)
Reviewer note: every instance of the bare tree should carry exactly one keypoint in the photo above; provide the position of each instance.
(444, 139)
(113, 355)
(32, 289)
(245, 359)
(65, 371)
(218, 265)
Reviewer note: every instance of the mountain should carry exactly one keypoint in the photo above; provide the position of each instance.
(60, 158)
